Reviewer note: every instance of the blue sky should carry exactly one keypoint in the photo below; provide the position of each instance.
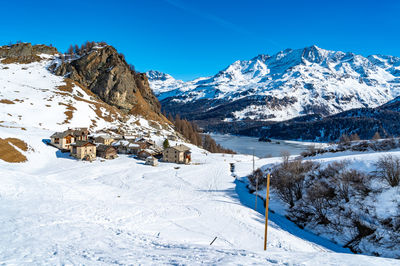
(188, 39)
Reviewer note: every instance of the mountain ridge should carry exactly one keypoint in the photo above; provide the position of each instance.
(290, 83)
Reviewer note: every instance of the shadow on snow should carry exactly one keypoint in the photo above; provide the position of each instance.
(248, 199)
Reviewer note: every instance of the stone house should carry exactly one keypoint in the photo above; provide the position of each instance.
(83, 150)
(151, 161)
(103, 139)
(62, 140)
(144, 154)
(126, 147)
(106, 151)
(80, 133)
(177, 154)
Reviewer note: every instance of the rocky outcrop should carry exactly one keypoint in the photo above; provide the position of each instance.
(24, 52)
(106, 73)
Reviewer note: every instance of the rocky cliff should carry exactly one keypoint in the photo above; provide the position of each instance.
(106, 73)
(24, 53)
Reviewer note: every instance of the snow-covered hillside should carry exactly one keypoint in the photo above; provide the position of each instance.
(31, 97)
(288, 84)
(57, 210)
(341, 196)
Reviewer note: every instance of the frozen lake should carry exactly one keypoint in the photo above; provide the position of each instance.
(245, 145)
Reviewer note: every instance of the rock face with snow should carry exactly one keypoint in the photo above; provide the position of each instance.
(286, 85)
(33, 98)
(105, 72)
(21, 50)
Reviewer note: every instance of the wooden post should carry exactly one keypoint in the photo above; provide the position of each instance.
(266, 212)
(255, 207)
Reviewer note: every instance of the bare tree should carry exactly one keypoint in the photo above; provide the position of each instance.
(388, 169)
(70, 50)
(354, 137)
(376, 136)
(344, 139)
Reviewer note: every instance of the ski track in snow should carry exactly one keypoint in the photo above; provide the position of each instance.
(62, 211)
(57, 210)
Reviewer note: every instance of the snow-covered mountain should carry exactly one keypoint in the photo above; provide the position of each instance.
(162, 82)
(288, 84)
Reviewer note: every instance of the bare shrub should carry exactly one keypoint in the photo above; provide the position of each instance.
(388, 169)
(333, 169)
(257, 177)
(351, 182)
(288, 178)
(319, 196)
(285, 156)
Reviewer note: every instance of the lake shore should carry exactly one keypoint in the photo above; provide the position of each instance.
(248, 145)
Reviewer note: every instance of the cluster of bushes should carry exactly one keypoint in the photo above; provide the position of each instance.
(364, 145)
(339, 202)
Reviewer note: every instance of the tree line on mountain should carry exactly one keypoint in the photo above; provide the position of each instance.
(194, 135)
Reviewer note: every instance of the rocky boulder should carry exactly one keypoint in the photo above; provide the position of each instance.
(106, 73)
(24, 52)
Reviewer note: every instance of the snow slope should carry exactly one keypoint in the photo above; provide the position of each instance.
(288, 84)
(31, 97)
(56, 210)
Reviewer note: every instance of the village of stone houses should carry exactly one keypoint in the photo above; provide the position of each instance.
(83, 145)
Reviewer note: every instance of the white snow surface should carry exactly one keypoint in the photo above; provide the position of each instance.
(57, 210)
(313, 78)
(38, 103)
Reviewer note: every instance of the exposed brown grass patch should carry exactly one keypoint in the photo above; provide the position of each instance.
(67, 87)
(69, 113)
(94, 123)
(9, 153)
(19, 143)
(5, 101)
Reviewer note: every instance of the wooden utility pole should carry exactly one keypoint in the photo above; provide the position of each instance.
(266, 212)
(255, 207)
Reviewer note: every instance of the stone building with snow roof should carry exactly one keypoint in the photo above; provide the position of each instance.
(151, 161)
(106, 151)
(104, 139)
(83, 150)
(62, 140)
(177, 154)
